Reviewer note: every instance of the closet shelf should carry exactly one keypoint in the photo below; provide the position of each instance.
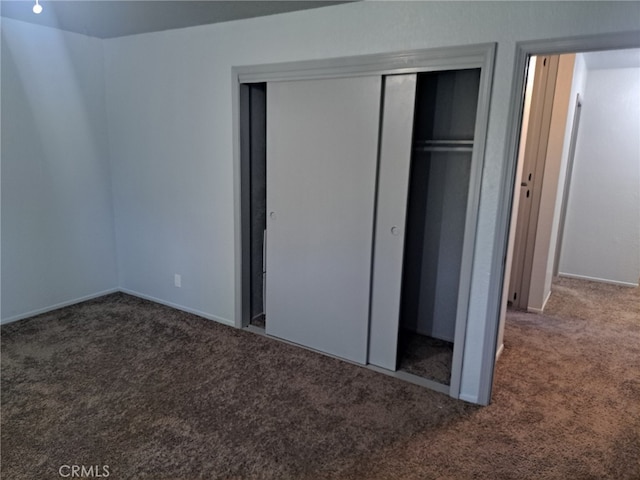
(443, 146)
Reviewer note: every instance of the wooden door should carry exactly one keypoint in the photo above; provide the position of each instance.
(531, 181)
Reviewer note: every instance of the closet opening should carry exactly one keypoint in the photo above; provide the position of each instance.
(253, 161)
(350, 257)
(443, 138)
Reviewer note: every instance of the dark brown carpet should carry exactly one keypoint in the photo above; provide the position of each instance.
(160, 394)
(425, 356)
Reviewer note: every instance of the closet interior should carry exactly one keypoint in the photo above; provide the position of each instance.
(443, 134)
(253, 99)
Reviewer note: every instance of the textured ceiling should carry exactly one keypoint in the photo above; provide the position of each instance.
(629, 58)
(114, 18)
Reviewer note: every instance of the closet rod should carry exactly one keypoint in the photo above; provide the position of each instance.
(443, 148)
(443, 145)
(444, 142)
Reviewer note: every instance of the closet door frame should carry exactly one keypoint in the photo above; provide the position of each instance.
(416, 61)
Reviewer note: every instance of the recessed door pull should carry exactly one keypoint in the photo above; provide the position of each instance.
(395, 231)
(272, 215)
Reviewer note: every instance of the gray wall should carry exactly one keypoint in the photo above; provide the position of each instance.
(602, 230)
(58, 241)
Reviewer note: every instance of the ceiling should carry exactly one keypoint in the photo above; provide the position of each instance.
(629, 58)
(115, 18)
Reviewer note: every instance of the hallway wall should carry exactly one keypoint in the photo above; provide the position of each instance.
(602, 230)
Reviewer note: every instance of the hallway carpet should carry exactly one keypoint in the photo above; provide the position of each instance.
(155, 393)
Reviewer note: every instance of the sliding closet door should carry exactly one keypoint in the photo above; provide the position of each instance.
(393, 185)
(322, 142)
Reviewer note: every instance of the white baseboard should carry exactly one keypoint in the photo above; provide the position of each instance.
(596, 279)
(499, 352)
(50, 308)
(544, 304)
(546, 300)
(433, 334)
(469, 398)
(179, 307)
(68, 303)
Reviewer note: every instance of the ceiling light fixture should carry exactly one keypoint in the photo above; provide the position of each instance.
(37, 8)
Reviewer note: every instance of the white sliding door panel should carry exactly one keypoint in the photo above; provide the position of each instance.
(322, 142)
(393, 184)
